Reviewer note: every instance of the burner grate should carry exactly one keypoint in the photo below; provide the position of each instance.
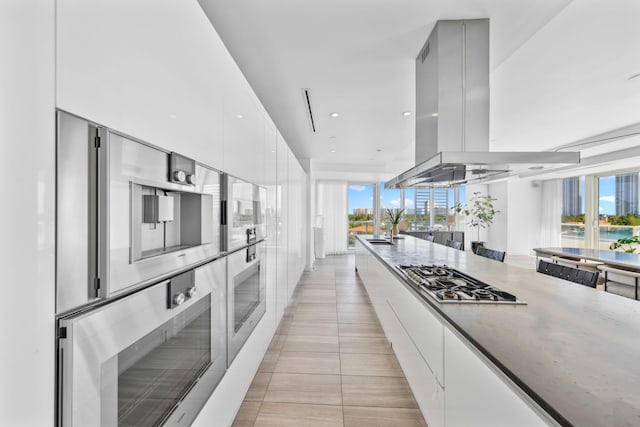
(446, 284)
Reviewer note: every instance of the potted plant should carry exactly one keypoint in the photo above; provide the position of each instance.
(394, 216)
(480, 213)
(626, 244)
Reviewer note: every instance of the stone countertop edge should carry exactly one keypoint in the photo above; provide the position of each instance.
(515, 363)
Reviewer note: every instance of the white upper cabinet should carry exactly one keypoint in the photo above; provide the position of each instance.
(152, 69)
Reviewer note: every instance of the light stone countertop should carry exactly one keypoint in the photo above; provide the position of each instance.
(574, 350)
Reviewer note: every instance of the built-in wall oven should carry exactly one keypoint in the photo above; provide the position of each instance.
(243, 218)
(128, 213)
(150, 358)
(243, 233)
(246, 295)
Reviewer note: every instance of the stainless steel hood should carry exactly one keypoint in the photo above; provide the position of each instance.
(457, 168)
(452, 114)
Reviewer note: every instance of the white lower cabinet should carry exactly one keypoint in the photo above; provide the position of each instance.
(424, 329)
(426, 389)
(454, 387)
(477, 396)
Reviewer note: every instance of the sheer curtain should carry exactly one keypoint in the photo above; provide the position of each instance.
(551, 215)
(332, 205)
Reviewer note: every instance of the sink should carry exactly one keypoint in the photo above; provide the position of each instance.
(379, 242)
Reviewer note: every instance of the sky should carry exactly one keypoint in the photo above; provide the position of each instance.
(361, 196)
(607, 195)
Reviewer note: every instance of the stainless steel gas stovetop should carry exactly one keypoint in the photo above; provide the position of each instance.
(447, 285)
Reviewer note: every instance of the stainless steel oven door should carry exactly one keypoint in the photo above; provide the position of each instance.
(137, 362)
(245, 294)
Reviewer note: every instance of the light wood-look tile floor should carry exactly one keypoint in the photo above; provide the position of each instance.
(329, 363)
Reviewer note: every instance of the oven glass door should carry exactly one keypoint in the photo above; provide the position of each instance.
(158, 369)
(246, 295)
(136, 362)
(246, 290)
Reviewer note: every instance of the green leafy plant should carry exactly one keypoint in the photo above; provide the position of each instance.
(627, 245)
(479, 210)
(394, 215)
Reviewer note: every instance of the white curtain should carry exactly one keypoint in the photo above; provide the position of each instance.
(332, 205)
(551, 213)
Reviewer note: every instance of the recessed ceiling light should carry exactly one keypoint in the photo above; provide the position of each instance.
(332, 137)
(334, 114)
(173, 116)
(239, 116)
(332, 150)
(379, 150)
(406, 113)
(536, 168)
(434, 114)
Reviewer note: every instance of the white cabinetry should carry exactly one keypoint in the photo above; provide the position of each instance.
(476, 395)
(453, 385)
(414, 332)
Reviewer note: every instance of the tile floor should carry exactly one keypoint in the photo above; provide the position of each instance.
(329, 363)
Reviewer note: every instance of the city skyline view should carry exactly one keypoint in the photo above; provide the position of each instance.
(361, 196)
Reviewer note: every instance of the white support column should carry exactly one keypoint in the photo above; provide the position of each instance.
(376, 207)
(591, 206)
(432, 206)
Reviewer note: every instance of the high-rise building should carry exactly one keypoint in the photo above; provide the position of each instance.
(627, 194)
(362, 211)
(571, 196)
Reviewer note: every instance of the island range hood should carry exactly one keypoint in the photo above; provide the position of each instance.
(452, 114)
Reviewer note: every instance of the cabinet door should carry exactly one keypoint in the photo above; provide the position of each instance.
(424, 384)
(477, 396)
(424, 329)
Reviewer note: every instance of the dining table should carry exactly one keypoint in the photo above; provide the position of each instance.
(625, 260)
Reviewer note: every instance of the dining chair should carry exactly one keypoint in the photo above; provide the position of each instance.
(576, 275)
(490, 253)
(454, 245)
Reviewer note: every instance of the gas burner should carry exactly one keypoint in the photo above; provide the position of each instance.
(446, 284)
(448, 294)
(483, 294)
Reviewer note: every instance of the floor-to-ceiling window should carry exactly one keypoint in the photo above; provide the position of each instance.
(360, 211)
(573, 212)
(618, 213)
(390, 198)
(616, 210)
(433, 208)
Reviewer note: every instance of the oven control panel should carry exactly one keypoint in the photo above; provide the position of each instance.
(181, 288)
(182, 170)
(252, 236)
(251, 253)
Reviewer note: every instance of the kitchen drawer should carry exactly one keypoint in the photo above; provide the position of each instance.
(423, 328)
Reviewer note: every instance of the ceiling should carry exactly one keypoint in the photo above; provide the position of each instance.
(560, 72)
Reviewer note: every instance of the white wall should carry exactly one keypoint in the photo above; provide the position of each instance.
(498, 232)
(27, 132)
(525, 216)
(516, 229)
(154, 69)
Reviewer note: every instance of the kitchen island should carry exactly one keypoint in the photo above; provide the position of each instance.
(570, 356)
